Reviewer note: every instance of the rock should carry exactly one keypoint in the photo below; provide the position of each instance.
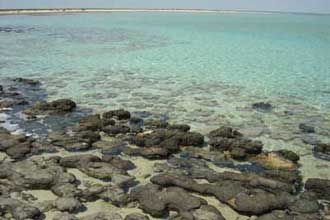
(136, 216)
(66, 189)
(306, 128)
(64, 216)
(262, 106)
(113, 194)
(227, 139)
(225, 132)
(289, 155)
(91, 122)
(116, 129)
(103, 216)
(118, 162)
(307, 203)
(35, 174)
(151, 123)
(322, 151)
(157, 202)
(180, 127)
(321, 188)
(207, 212)
(101, 170)
(67, 204)
(120, 114)
(18, 209)
(245, 201)
(276, 215)
(114, 147)
(249, 202)
(78, 160)
(57, 106)
(71, 142)
(30, 82)
(149, 153)
(16, 146)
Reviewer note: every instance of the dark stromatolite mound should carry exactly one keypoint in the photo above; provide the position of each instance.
(227, 139)
(18, 209)
(322, 151)
(158, 202)
(243, 200)
(54, 107)
(30, 82)
(305, 128)
(110, 169)
(120, 114)
(21, 146)
(262, 106)
(321, 188)
(76, 141)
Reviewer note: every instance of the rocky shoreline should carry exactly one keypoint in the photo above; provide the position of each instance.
(154, 169)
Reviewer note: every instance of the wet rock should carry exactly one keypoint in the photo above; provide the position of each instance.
(136, 216)
(118, 162)
(113, 194)
(289, 155)
(57, 106)
(322, 151)
(71, 142)
(116, 129)
(35, 174)
(207, 212)
(66, 190)
(149, 153)
(30, 82)
(276, 215)
(120, 114)
(16, 146)
(76, 161)
(152, 123)
(101, 170)
(227, 139)
(306, 203)
(249, 202)
(18, 209)
(262, 106)
(158, 202)
(180, 127)
(244, 200)
(306, 128)
(320, 187)
(91, 122)
(67, 204)
(114, 147)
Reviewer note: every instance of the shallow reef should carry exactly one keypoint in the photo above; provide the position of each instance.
(61, 161)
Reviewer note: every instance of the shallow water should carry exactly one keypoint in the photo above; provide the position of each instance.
(202, 69)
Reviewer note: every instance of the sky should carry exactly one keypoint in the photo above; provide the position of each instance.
(314, 6)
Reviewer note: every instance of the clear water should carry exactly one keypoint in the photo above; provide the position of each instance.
(203, 69)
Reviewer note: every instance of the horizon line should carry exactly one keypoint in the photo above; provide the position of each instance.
(115, 9)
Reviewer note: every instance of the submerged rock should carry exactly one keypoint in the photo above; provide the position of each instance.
(306, 128)
(120, 114)
(57, 106)
(227, 139)
(262, 106)
(320, 187)
(322, 151)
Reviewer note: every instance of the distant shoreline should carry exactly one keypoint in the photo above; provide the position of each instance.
(109, 10)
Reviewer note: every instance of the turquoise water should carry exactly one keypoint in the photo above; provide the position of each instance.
(205, 69)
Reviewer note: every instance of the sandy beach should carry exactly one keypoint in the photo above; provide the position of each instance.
(101, 10)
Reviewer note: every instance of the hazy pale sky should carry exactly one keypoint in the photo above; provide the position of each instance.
(260, 5)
